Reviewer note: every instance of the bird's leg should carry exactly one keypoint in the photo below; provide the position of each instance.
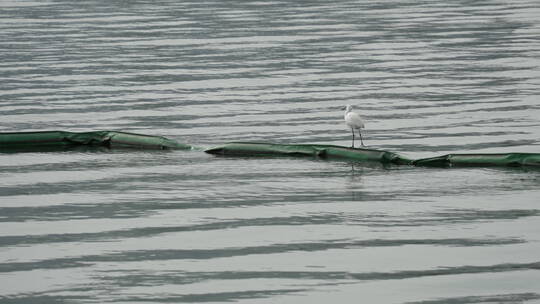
(361, 141)
(352, 130)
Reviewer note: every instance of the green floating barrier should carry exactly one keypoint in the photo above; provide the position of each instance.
(61, 140)
(371, 155)
(322, 151)
(481, 160)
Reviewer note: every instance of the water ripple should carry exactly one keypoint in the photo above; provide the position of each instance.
(111, 226)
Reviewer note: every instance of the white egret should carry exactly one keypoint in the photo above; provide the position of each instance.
(354, 121)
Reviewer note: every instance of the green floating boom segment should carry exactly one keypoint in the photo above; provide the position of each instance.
(61, 140)
(481, 160)
(322, 151)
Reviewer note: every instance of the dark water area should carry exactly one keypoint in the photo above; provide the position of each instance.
(429, 78)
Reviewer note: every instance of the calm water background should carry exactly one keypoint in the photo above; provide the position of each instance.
(430, 77)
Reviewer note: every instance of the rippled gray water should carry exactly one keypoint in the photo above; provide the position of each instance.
(430, 77)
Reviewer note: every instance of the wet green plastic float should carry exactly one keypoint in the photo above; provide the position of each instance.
(322, 151)
(61, 140)
(481, 160)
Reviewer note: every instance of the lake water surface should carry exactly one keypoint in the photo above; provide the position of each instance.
(430, 78)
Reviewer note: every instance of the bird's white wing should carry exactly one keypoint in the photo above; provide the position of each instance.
(354, 120)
